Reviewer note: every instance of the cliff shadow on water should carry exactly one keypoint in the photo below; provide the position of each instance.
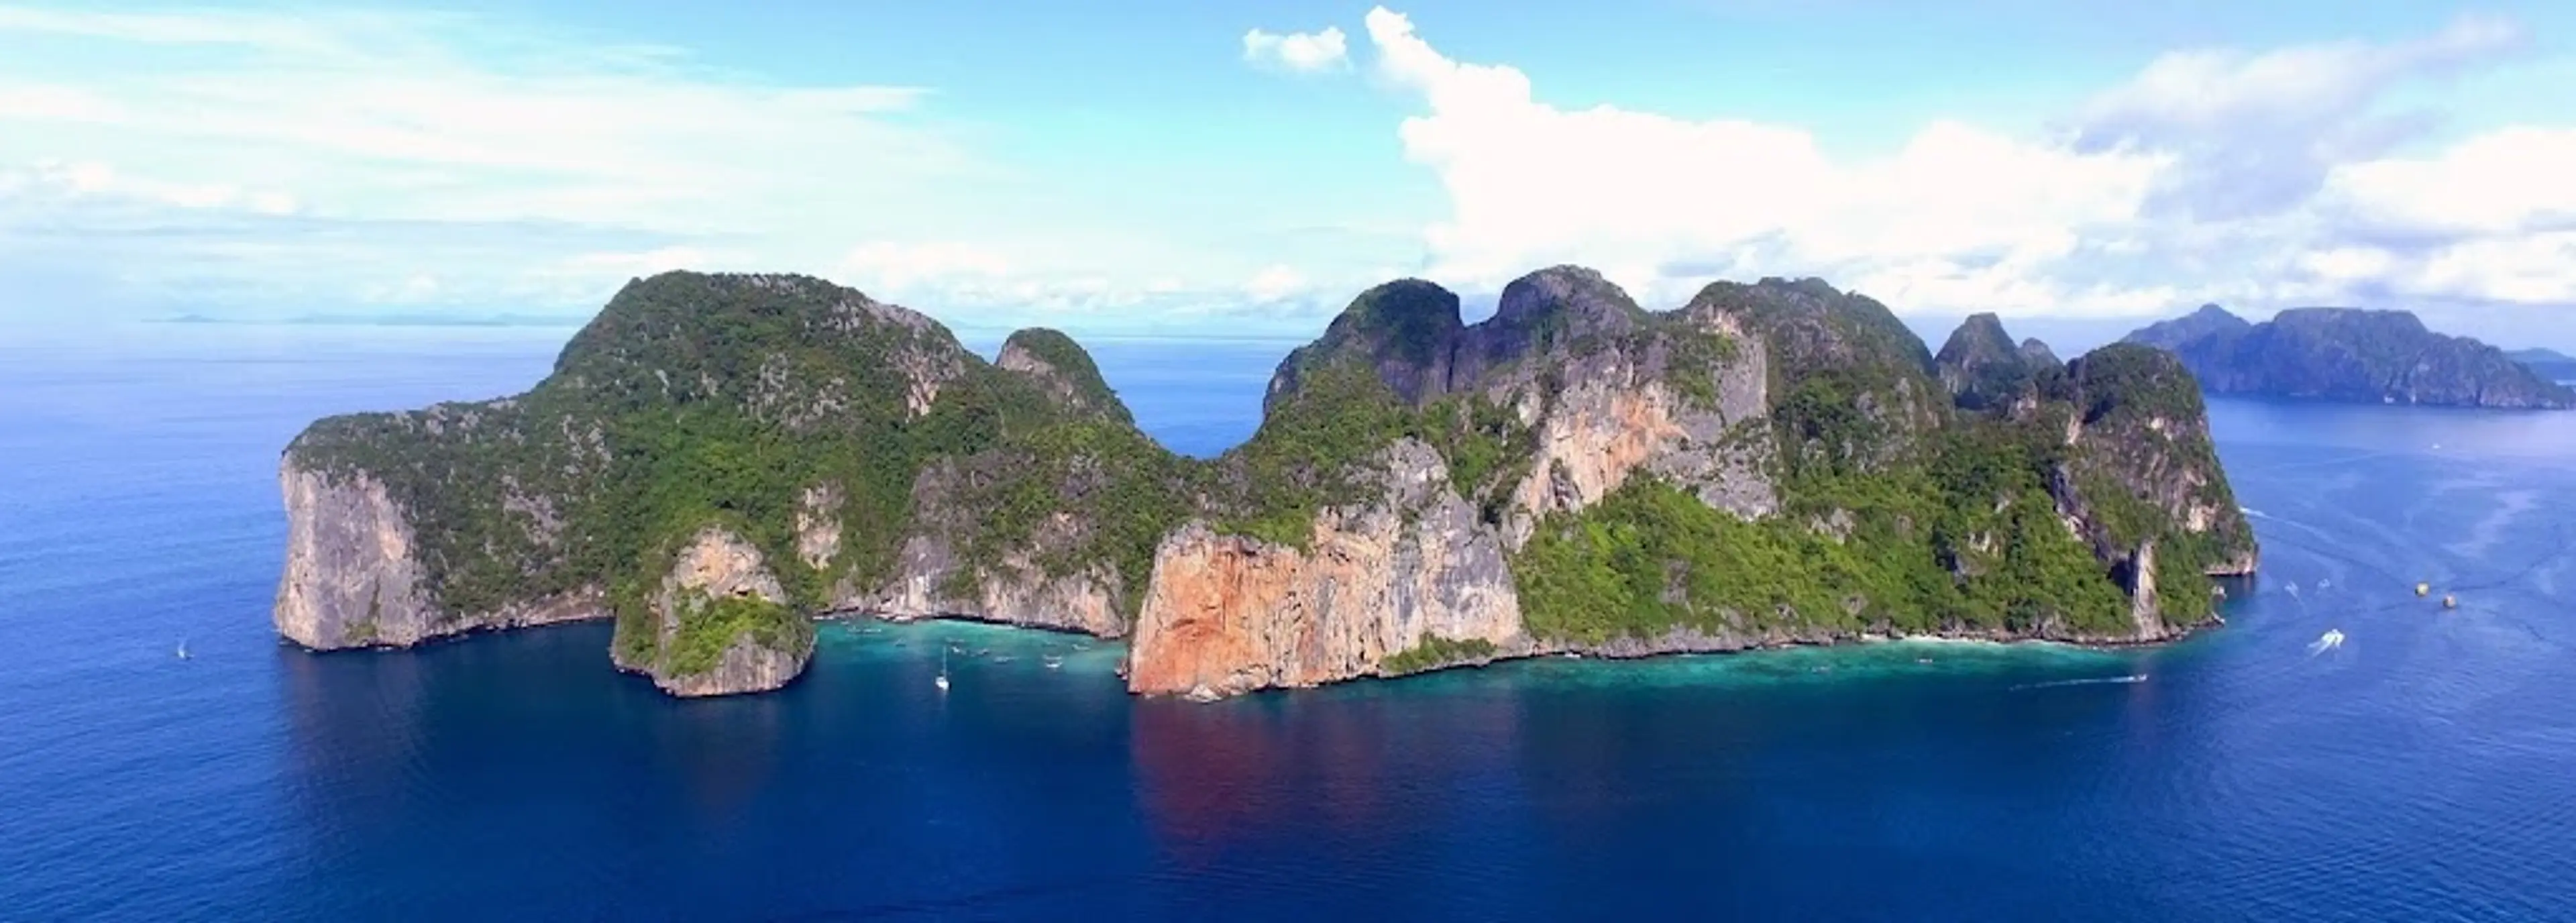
(716, 459)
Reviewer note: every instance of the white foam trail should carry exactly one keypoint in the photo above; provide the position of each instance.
(2331, 640)
(2324, 582)
(2291, 587)
(2250, 511)
(2096, 681)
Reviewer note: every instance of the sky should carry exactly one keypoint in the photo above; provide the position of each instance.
(1196, 168)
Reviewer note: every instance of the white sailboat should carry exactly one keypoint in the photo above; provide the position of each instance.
(942, 679)
(183, 648)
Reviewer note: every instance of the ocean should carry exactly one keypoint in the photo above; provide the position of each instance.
(2423, 770)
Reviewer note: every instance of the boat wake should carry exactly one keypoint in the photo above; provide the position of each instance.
(2331, 640)
(2095, 681)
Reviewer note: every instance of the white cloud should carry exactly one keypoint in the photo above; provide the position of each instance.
(1297, 51)
(50, 185)
(2099, 222)
(1274, 283)
(2257, 133)
(2197, 91)
(2532, 270)
(2497, 183)
(1633, 192)
(405, 126)
(910, 266)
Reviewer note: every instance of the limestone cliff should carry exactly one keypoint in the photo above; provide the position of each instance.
(352, 580)
(1410, 572)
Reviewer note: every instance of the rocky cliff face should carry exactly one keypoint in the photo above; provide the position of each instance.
(2143, 487)
(2347, 354)
(352, 578)
(1411, 571)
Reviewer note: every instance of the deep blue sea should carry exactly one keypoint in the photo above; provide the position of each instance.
(2425, 770)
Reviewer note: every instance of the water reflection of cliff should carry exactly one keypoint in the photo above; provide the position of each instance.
(393, 747)
(1368, 766)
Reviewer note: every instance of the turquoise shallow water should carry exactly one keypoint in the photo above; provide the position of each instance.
(2424, 770)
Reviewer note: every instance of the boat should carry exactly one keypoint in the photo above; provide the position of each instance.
(2423, 589)
(1054, 662)
(183, 650)
(2450, 602)
(941, 680)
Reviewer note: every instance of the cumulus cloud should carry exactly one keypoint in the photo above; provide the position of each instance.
(1297, 51)
(1949, 216)
(2255, 179)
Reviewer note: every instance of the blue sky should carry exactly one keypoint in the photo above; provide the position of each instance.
(1207, 167)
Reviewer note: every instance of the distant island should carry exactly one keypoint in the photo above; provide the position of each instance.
(2349, 354)
(387, 320)
(715, 460)
(2547, 363)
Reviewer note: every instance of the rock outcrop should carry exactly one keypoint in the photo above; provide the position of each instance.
(352, 578)
(2349, 354)
(718, 625)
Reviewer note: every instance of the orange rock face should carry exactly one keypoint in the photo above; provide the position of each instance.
(1228, 614)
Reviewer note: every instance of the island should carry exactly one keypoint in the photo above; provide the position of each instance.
(2349, 354)
(715, 461)
(2547, 363)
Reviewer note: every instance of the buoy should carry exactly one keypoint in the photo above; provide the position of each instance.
(2423, 588)
(2450, 602)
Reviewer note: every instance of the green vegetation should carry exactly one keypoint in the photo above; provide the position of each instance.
(709, 625)
(1964, 539)
(1411, 318)
(1074, 367)
(1888, 521)
(1116, 491)
(1694, 359)
(1435, 652)
(1314, 451)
